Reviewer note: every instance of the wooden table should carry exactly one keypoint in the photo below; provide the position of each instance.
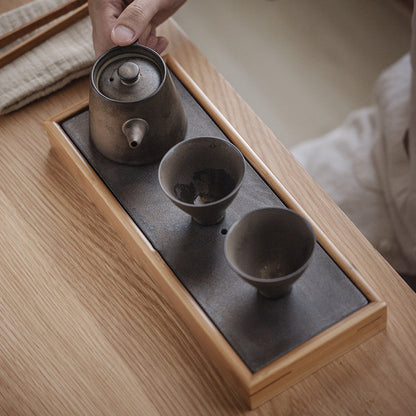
(84, 331)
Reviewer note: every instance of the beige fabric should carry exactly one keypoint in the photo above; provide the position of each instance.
(395, 154)
(368, 165)
(48, 67)
(394, 160)
(356, 163)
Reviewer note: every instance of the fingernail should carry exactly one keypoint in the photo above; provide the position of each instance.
(122, 35)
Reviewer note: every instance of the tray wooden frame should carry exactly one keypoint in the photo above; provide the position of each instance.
(258, 387)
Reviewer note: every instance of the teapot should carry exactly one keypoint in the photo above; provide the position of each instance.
(135, 111)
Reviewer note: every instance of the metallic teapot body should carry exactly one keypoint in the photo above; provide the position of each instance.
(136, 114)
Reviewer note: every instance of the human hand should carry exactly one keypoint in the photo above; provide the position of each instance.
(122, 22)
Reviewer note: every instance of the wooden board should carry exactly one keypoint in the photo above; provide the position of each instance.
(255, 387)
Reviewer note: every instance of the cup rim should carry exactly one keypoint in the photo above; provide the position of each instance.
(282, 279)
(209, 204)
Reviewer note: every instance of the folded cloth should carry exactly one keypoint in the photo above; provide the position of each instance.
(47, 67)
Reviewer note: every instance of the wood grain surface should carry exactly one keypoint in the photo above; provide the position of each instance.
(85, 331)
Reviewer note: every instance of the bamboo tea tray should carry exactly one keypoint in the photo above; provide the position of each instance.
(262, 346)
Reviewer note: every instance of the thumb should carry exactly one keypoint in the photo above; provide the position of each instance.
(122, 35)
(133, 21)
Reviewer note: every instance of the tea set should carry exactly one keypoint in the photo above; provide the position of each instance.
(137, 118)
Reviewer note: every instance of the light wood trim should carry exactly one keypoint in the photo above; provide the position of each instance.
(52, 124)
(317, 352)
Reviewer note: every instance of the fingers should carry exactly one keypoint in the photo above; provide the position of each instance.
(149, 38)
(139, 20)
(134, 20)
(104, 15)
(115, 24)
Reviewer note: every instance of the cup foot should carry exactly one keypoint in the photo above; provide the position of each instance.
(209, 221)
(275, 293)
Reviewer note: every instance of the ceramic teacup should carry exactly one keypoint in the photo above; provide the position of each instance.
(270, 248)
(202, 176)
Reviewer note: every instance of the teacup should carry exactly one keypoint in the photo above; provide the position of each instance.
(202, 176)
(270, 248)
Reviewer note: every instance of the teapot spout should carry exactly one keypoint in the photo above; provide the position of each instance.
(135, 129)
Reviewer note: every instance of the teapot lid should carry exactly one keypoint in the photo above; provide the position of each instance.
(128, 74)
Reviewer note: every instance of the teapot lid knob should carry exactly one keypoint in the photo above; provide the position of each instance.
(129, 73)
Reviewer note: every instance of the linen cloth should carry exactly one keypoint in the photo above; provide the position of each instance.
(368, 165)
(48, 67)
